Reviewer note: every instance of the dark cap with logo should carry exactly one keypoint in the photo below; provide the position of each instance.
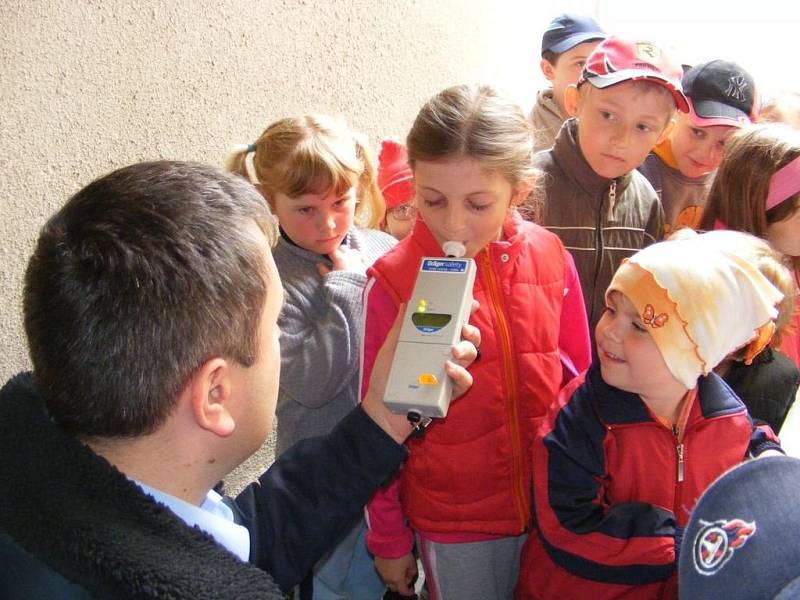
(720, 93)
(741, 540)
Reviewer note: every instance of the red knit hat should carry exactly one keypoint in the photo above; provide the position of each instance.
(395, 179)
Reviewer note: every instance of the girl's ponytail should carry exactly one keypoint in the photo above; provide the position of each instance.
(241, 160)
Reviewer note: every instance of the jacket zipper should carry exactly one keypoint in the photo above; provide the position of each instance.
(511, 379)
(680, 453)
(598, 241)
(679, 450)
(612, 198)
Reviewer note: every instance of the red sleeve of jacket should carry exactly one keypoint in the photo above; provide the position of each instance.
(629, 543)
(574, 343)
(388, 534)
(378, 320)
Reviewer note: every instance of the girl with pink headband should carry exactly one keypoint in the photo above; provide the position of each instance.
(757, 190)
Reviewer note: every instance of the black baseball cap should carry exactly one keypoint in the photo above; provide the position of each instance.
(720, 93)
(568, 30)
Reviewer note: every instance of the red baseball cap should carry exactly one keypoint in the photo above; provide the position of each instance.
(615, 60)
(395, 179)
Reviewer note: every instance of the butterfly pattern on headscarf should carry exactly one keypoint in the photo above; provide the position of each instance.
(650, 317)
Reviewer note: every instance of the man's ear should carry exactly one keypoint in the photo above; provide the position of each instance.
(548, 70)
(667, 131)
(210, 396)
(572, 100)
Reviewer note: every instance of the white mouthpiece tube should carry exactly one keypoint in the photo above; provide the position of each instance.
(454, 249)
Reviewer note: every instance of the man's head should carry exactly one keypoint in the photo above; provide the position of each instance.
(143, 278)
(722, 98)
(696, 301)
(566, 44)
(624, 102)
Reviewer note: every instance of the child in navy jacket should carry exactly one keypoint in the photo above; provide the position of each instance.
(629, 447)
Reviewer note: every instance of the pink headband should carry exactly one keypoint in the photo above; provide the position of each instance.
(784, 184)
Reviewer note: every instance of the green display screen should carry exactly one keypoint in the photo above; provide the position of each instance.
(430, 322)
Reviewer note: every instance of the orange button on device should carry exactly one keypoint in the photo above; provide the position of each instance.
(427, 379)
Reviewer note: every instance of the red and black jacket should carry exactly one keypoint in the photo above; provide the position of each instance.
(613, 487)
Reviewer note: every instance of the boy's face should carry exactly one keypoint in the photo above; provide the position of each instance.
(629, 356)
(619, 125)
(567, 70)
(698, 150)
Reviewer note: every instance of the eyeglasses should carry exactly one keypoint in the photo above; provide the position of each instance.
(404, 212)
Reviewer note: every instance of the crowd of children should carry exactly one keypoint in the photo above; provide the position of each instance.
(621, 371)
(632, 353)
(637, 249)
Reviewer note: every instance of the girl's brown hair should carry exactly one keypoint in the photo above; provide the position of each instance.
(738, 195)
(476, 122)
(312, 154)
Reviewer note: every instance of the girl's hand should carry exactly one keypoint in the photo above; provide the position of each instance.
(398, 573)
(344, 259)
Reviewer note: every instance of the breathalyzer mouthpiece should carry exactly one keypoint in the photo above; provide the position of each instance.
(454, 249)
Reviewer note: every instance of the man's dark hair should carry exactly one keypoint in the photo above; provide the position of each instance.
(140, 278)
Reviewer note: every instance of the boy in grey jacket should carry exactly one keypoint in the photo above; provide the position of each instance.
(594, 199)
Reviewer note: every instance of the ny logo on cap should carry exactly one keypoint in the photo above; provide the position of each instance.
(736, 87)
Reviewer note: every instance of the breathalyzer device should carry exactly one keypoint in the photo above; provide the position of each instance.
(438, 308)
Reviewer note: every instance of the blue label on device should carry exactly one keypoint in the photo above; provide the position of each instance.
(445, 265)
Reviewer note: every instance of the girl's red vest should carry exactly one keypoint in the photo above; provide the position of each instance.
(471, 472)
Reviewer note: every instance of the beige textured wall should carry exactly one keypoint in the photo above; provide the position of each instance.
(88, 86)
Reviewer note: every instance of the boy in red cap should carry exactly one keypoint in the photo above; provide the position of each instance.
(595, 200)
(722, 98)
(566, 44)
(396, 182)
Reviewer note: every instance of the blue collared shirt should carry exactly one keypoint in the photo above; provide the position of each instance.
(213, 516)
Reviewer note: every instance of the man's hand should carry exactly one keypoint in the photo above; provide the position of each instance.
(398, 573)
(464, 354)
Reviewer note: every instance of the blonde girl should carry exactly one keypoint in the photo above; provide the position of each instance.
(319, 180)
(465, 489)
